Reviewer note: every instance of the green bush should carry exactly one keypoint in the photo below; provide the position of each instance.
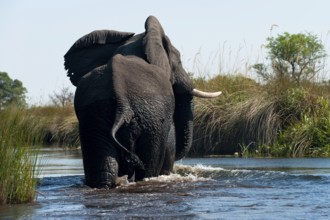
(308, 134)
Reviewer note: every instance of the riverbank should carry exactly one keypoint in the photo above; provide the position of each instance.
(278, 119)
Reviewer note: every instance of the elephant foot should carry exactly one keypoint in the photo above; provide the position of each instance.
(106, 181)
(104, 176)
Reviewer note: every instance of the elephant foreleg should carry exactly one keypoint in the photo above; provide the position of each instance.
(100, 156)
(153, 151)
(100, 170)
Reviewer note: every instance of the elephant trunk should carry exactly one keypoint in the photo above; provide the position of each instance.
(183, 124)
(202, 94)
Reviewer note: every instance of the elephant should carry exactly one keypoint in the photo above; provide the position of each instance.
(133, 101)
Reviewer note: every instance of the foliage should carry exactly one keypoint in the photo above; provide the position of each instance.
(308, 135)
(18, 132)
(293, 56)
(11, 91)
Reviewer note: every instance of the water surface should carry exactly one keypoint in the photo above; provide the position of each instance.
(200, 188)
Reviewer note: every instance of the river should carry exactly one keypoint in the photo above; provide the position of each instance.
(200, 188)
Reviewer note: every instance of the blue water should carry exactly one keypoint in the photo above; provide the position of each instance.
(200, 188)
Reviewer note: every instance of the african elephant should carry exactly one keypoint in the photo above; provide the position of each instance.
(134, 103)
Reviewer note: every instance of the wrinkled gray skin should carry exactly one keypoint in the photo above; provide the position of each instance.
(133, 102)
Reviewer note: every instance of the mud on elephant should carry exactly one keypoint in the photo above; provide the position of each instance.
(134, 103)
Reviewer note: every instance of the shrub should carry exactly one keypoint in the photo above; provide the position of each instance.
(308, 135)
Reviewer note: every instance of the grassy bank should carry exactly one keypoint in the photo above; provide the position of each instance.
(18, 132)
(59, 124)
(279, 119)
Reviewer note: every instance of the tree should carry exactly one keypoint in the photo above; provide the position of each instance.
(62, 98)
(293, 56)
(11, 91)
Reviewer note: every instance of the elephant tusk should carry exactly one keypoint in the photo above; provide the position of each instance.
(202, 94)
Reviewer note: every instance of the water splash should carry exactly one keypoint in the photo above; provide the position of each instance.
(181, 174)
(199, 170)
(185, 173)
(177, 178)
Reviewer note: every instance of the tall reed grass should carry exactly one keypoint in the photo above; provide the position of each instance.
(262, 120)
(241, 116)
(19, 131)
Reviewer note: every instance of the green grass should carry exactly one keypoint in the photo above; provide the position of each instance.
(18, 132)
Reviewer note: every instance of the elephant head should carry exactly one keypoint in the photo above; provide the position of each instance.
(159, 51)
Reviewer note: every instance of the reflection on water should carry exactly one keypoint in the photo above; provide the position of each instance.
(201, 188)
(60, 162)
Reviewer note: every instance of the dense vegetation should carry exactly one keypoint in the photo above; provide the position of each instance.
(254, 121)
(286, 114)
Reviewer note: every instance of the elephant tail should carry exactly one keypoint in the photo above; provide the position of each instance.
(131, 158)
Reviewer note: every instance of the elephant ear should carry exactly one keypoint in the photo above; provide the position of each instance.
(91, 51)
(155, 44)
